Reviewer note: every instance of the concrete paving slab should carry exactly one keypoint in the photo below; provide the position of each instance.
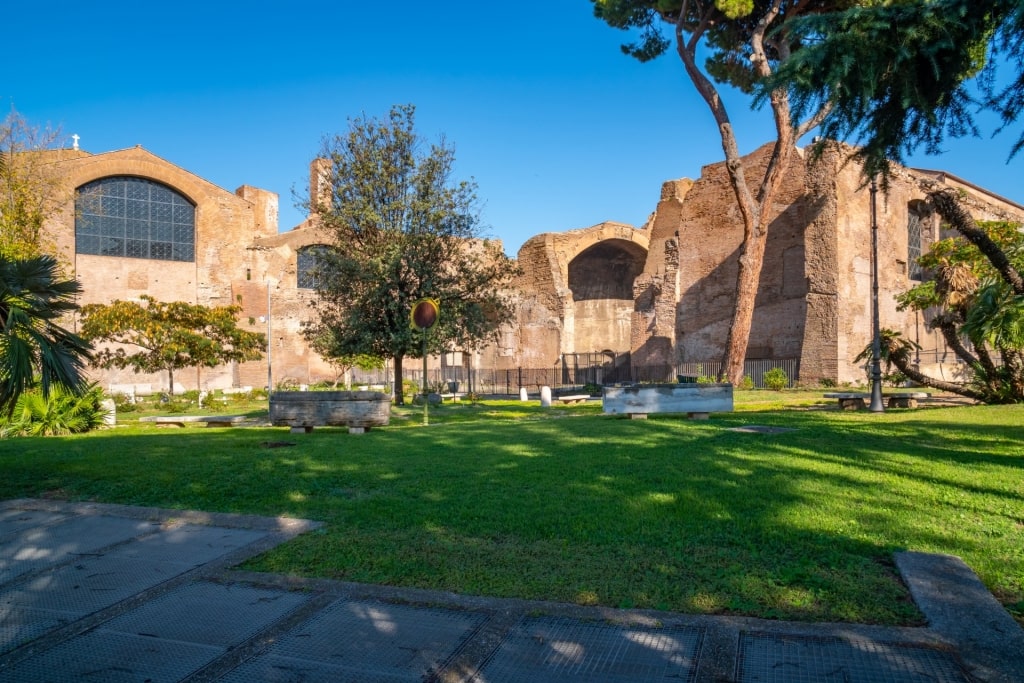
(19, 625)
(107, 657)
(961, 609)
(165, 639)
(13, 521)
(153, 596)
(32, 548)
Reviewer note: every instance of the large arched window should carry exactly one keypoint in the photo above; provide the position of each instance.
(307, 265)
(134, 218)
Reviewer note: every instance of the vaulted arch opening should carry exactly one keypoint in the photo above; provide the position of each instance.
(601, 280)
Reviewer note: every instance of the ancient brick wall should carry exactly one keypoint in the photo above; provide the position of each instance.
(224, 222)
(575, 293)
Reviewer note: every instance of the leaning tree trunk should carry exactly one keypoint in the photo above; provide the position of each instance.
(912, 373)
(948, 206)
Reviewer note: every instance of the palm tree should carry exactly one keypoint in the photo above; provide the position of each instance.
(33, 297)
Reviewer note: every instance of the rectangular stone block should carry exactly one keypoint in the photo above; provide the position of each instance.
(668, 398)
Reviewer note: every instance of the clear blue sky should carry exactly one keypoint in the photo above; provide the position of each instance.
(557, 127)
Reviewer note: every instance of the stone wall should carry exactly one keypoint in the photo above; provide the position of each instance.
(223, 223)
(663, 293)
(575, 293)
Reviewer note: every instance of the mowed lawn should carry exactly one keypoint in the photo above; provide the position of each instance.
(566, 504)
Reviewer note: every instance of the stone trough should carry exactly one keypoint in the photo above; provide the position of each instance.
(696, 400)
(303, 410)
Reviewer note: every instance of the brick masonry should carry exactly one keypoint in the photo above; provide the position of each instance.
(662, 292)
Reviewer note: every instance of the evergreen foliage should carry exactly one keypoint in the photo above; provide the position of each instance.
(900, 75)
(401, 229)
(978, 311)
(741, 42)
(60, 413)
(34, 347)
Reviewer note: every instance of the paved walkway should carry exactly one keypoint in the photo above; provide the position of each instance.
(109, 593)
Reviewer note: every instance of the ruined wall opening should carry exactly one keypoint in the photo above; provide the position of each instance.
(606, 270)
(601, 280)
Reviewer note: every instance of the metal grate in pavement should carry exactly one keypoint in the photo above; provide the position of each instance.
(363, 641)
(560, 649)
(193, 544)
(208, 613)
(771, 658)
(106, 657)
(165, 639)
(90, 585)
(34, 548)
(18, 625)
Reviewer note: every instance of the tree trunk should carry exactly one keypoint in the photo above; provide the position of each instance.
(738, 338)
(908, 369)
(754, 209)
(399, 394)
(170, 379)
(948, 206)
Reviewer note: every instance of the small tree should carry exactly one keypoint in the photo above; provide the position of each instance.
(401, 229)
(170, 336)
(30, 189)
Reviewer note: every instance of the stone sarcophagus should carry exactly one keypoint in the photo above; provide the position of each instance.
(303, 410)
(697, 400)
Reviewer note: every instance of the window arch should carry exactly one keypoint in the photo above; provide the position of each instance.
(916, 217)
(307, 265)
(134, 218)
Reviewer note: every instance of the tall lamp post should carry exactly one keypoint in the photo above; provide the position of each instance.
(876, 339)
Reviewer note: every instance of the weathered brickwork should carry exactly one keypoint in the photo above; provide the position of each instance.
(662, 293)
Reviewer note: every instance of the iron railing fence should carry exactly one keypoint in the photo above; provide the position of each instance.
(570, 373)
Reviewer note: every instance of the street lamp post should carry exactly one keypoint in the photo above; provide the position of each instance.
(876, 339)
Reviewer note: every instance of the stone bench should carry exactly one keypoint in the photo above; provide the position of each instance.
(906, 399)
(182, 420)
(856, 400)
(849, 400)
(572, 400)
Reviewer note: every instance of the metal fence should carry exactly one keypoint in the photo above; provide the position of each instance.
(572, 371)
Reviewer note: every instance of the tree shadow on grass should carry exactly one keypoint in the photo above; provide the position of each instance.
(667, 513)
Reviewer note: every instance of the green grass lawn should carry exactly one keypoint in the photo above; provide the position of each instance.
(507, 499)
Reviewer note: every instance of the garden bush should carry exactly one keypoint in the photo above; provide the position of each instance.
(775, 379)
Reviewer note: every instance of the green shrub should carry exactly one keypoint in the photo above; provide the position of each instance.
(124, 403)
(61, 413)
(747, 383)
(705, 379)
(894, 379)
(593, 389)
(827, 382)
(775, 379)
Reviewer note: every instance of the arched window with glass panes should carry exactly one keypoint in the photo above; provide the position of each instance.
(308, 264)
(917, 214)
(134, 217)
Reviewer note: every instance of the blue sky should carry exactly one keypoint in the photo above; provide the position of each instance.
(558, 128)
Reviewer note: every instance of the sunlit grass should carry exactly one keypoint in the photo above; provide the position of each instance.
(509, 499)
